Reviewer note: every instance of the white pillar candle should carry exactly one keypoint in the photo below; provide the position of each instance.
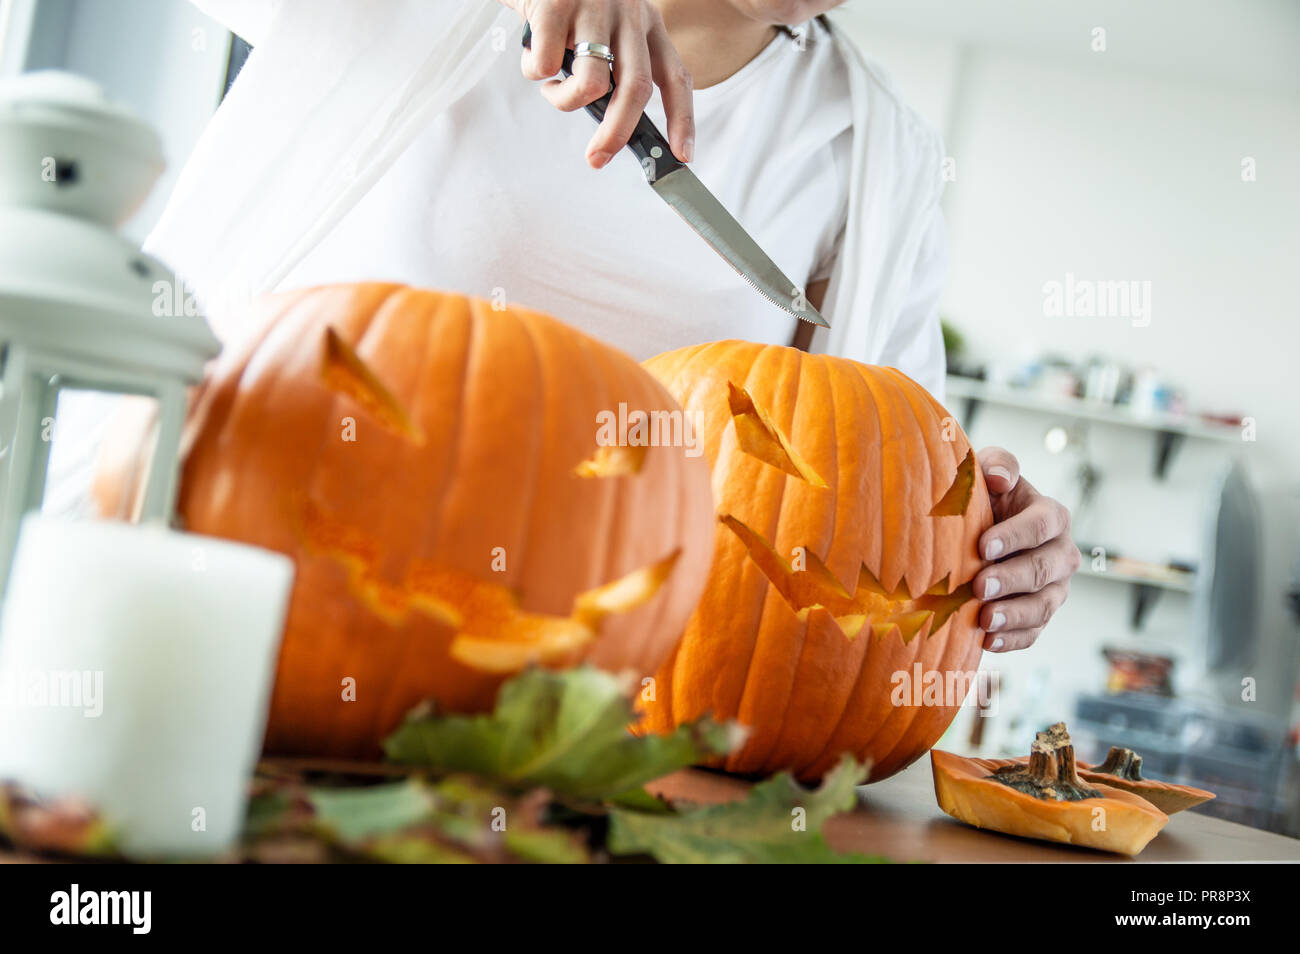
(136, 666)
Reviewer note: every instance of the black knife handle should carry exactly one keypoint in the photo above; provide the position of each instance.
(647, 142)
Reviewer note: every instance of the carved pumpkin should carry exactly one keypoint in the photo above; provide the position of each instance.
(434, 468)
(1043, 797)
(839, 615)
(1123, 770)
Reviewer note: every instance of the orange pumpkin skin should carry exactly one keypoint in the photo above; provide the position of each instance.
(1166, 796)
(789, 665)
(468, 428)
(964, 790)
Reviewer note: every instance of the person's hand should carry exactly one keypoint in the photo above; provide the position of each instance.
(1035, 553)
(644, 57)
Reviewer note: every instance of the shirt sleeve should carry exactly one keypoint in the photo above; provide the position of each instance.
(915, 346)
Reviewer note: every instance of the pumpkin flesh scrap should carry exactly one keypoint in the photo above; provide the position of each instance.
(1123, 770)
(976, 791)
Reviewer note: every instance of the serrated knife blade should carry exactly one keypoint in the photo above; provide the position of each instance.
(688, 197)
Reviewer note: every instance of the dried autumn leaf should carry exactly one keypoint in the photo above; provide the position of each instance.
(759, 829)
(415, 821)
(66, 826)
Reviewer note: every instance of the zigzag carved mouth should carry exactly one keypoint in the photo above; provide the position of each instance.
(868, 604)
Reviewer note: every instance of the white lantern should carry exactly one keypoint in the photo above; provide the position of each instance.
(77, 299)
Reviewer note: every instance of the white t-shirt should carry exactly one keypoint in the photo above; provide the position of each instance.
(495, 199)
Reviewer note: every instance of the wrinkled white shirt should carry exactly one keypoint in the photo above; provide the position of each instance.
(397, 140)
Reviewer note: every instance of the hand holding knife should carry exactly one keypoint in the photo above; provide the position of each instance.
(679, 187)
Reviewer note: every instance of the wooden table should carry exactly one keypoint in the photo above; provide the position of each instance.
(900, 819)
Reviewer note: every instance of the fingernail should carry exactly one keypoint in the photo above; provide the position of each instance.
(997, 644)
(993, 548)
(992, 587)
(688, 149)
(1000, 472)
(998, 621)
(598, 159)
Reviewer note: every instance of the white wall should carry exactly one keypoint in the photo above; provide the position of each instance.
(1126, 164)
(161, 57)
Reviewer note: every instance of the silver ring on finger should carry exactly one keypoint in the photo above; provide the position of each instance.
(598, 50)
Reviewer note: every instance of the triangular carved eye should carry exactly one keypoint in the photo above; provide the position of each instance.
(343, 370)
(758, 436)
(957, 498)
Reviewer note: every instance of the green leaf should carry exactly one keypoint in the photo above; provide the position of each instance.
(356, 814)
(456, 820)
(760, 829)
(545, 846)
(565, 731)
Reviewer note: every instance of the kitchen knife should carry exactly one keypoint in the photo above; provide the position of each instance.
(679, 187)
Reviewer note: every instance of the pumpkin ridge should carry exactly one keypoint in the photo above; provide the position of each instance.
(915, 587)
(943, 663)
(650, 392)
(894, 479)
(800, 676)
(829, 752)
(902, 719)
(395, 304)
(609, 494)
(941, 534)
(526, 485)
(465, 362)
(630, 492)
(747, 685)
(433, 317)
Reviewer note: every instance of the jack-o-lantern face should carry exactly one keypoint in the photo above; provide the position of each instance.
(849, 505)
(435, 468)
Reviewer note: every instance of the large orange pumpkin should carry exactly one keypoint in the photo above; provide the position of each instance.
(839, 615)
(436, 469)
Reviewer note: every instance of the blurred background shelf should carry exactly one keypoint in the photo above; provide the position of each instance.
(1144, 574)
(1170, 429)
(1148, 580)
(974, 391)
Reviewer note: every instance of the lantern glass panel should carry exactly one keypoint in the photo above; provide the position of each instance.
(82, 427)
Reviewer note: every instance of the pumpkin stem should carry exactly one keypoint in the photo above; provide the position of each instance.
(1051, 772)
(1122, 763)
